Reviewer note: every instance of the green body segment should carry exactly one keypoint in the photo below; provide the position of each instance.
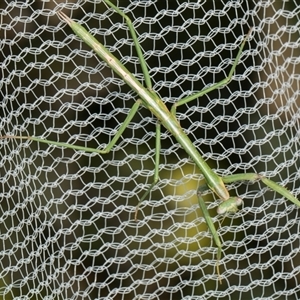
(152, 102)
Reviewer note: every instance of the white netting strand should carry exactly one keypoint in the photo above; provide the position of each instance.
(67, 217)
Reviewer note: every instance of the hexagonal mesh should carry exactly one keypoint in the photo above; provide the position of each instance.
(67, 217)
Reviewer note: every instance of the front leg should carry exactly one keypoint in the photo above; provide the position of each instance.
(271, 184)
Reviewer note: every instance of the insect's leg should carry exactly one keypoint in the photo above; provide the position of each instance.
(136, 43)
(156, 167)
(216, 85)
(271, 184)
(210, 225)
(82, 148)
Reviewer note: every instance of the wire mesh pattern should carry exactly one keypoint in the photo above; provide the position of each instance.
(67, 217)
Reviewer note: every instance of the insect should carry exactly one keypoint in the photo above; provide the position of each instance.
(150, 100)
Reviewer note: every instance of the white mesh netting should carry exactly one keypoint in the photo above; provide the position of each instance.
(67, 217)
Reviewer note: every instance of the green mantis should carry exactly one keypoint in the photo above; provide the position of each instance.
(150, 100)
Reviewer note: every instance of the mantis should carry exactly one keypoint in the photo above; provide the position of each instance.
(151, 101)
